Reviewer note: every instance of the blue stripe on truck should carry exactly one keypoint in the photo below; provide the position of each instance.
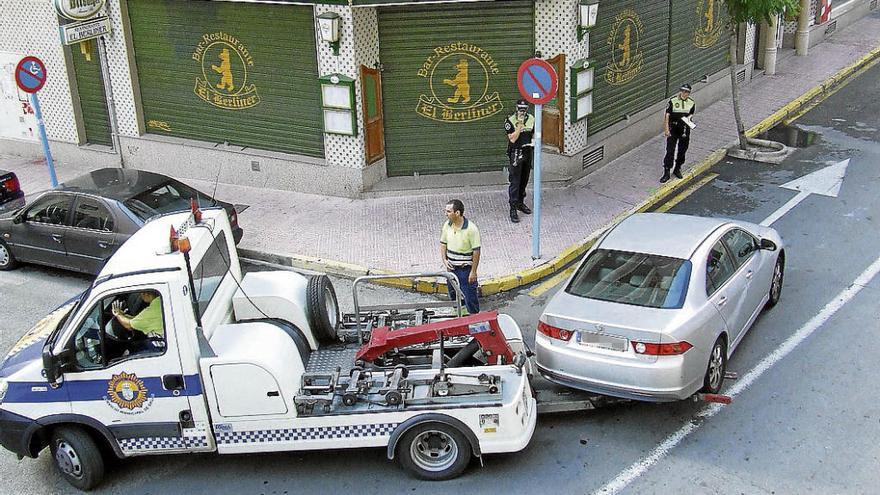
(89, 390)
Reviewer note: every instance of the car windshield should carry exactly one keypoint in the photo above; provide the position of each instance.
(167, 198)
(632, 278)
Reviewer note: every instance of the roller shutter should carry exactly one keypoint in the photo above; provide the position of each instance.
(90, 88)
(628, 48)
(236, 72)
(449, 81)
(698, 41)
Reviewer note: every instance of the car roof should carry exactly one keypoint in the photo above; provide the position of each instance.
(118, 184)
(664, 234)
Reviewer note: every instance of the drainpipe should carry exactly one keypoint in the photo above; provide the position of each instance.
(802, 36)
(111, 105)
(770, 45)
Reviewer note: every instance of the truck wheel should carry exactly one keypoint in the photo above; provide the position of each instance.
(7, 260)
(323, 308)
(716, 368)
(77, 457)
(434, 451)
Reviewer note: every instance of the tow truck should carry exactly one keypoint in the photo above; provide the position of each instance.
(256, 363)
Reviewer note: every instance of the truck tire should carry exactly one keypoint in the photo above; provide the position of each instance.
(7, 260)
(434, 451)
(323, 308)
(77, 457)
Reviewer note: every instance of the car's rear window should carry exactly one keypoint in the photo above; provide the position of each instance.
(167, 198)
(632, 278)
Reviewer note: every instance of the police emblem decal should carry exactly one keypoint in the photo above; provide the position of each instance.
(459, 77)
(626, 53)
(710, 22)
(126, 393)
(225, 62)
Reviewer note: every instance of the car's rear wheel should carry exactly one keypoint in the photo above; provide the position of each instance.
(776, 282)
(717, 367)
(7, 260)
(434, 451)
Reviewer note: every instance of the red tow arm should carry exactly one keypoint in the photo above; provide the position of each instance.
(482, 326)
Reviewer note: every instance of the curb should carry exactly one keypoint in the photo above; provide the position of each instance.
(575, 251)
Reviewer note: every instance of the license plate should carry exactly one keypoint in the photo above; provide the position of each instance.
(602, 341)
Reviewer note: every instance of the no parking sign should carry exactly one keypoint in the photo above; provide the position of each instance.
(30, 76)
(538, 82)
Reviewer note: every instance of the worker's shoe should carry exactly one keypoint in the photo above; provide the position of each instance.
(513, 216)
(523, 208)
(677, 172)
(665, 177)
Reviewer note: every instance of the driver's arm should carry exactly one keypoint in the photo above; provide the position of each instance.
(121, 317)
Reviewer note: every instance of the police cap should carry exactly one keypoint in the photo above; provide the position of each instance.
(685, 87)
(522, 104)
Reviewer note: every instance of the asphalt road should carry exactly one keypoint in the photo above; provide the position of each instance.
(809, 423)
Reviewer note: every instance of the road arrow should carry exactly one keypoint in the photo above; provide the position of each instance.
(825, 181)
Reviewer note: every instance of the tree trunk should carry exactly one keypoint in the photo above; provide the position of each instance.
(740, 129)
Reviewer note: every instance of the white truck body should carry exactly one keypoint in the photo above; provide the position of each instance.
(225, 375)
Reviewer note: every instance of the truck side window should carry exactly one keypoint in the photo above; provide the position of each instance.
(121, 327)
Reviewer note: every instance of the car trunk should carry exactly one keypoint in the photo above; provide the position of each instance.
(609, 328)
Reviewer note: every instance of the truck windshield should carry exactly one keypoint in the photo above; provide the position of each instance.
(169, 197)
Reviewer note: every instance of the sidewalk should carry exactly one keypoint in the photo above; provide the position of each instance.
(401, 234)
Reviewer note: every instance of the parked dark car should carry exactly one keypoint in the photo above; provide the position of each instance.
(81, 223)
(11, 195)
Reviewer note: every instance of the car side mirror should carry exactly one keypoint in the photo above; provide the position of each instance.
(17, 219)
(768, 245)
(55, 366)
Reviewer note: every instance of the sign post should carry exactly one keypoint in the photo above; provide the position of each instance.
(30, 75)
(537, 82)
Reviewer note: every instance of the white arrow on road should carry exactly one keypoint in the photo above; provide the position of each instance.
(825, 181)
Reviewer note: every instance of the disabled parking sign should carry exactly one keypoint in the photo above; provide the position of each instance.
(30, 74)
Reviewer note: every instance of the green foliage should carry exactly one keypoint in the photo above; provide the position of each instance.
(755, 11)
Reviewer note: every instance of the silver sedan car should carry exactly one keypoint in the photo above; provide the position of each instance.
(658, 306)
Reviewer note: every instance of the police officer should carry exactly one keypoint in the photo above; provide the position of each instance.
(520, 128)
(680, 108)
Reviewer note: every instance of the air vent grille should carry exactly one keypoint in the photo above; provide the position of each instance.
(594, 157)
(832, 26)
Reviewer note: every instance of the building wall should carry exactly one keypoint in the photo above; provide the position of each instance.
(555, 33)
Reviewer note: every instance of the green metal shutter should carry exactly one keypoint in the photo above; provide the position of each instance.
(628, 48)
(422, 49)
(264, 94)
(699, 42)
(90, 87)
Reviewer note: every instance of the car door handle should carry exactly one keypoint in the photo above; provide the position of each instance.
(103, 245)
(749, 274)
(173, 382)
(272, 393)
(722, 301)
(58, 238)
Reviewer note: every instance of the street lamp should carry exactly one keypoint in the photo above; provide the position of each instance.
(328, 25)
(588, 10)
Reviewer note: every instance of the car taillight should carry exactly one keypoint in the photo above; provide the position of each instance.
(233, 217)
(553, 332)
(11, 184)
(671, 349)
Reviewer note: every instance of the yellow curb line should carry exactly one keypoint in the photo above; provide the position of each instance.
(686, 193)
(575, 251)
(551, 282)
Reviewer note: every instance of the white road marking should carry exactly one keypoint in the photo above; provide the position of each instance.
(626, 477)
(825, 181)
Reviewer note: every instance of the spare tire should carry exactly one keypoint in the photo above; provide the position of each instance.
(323, 308)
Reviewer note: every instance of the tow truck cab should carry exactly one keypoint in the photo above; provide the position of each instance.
(222, 366)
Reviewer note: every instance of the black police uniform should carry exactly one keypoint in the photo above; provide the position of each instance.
(680, 133)
(519, 154)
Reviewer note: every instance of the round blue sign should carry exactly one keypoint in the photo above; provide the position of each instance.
(537, 81)
(30, 74)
